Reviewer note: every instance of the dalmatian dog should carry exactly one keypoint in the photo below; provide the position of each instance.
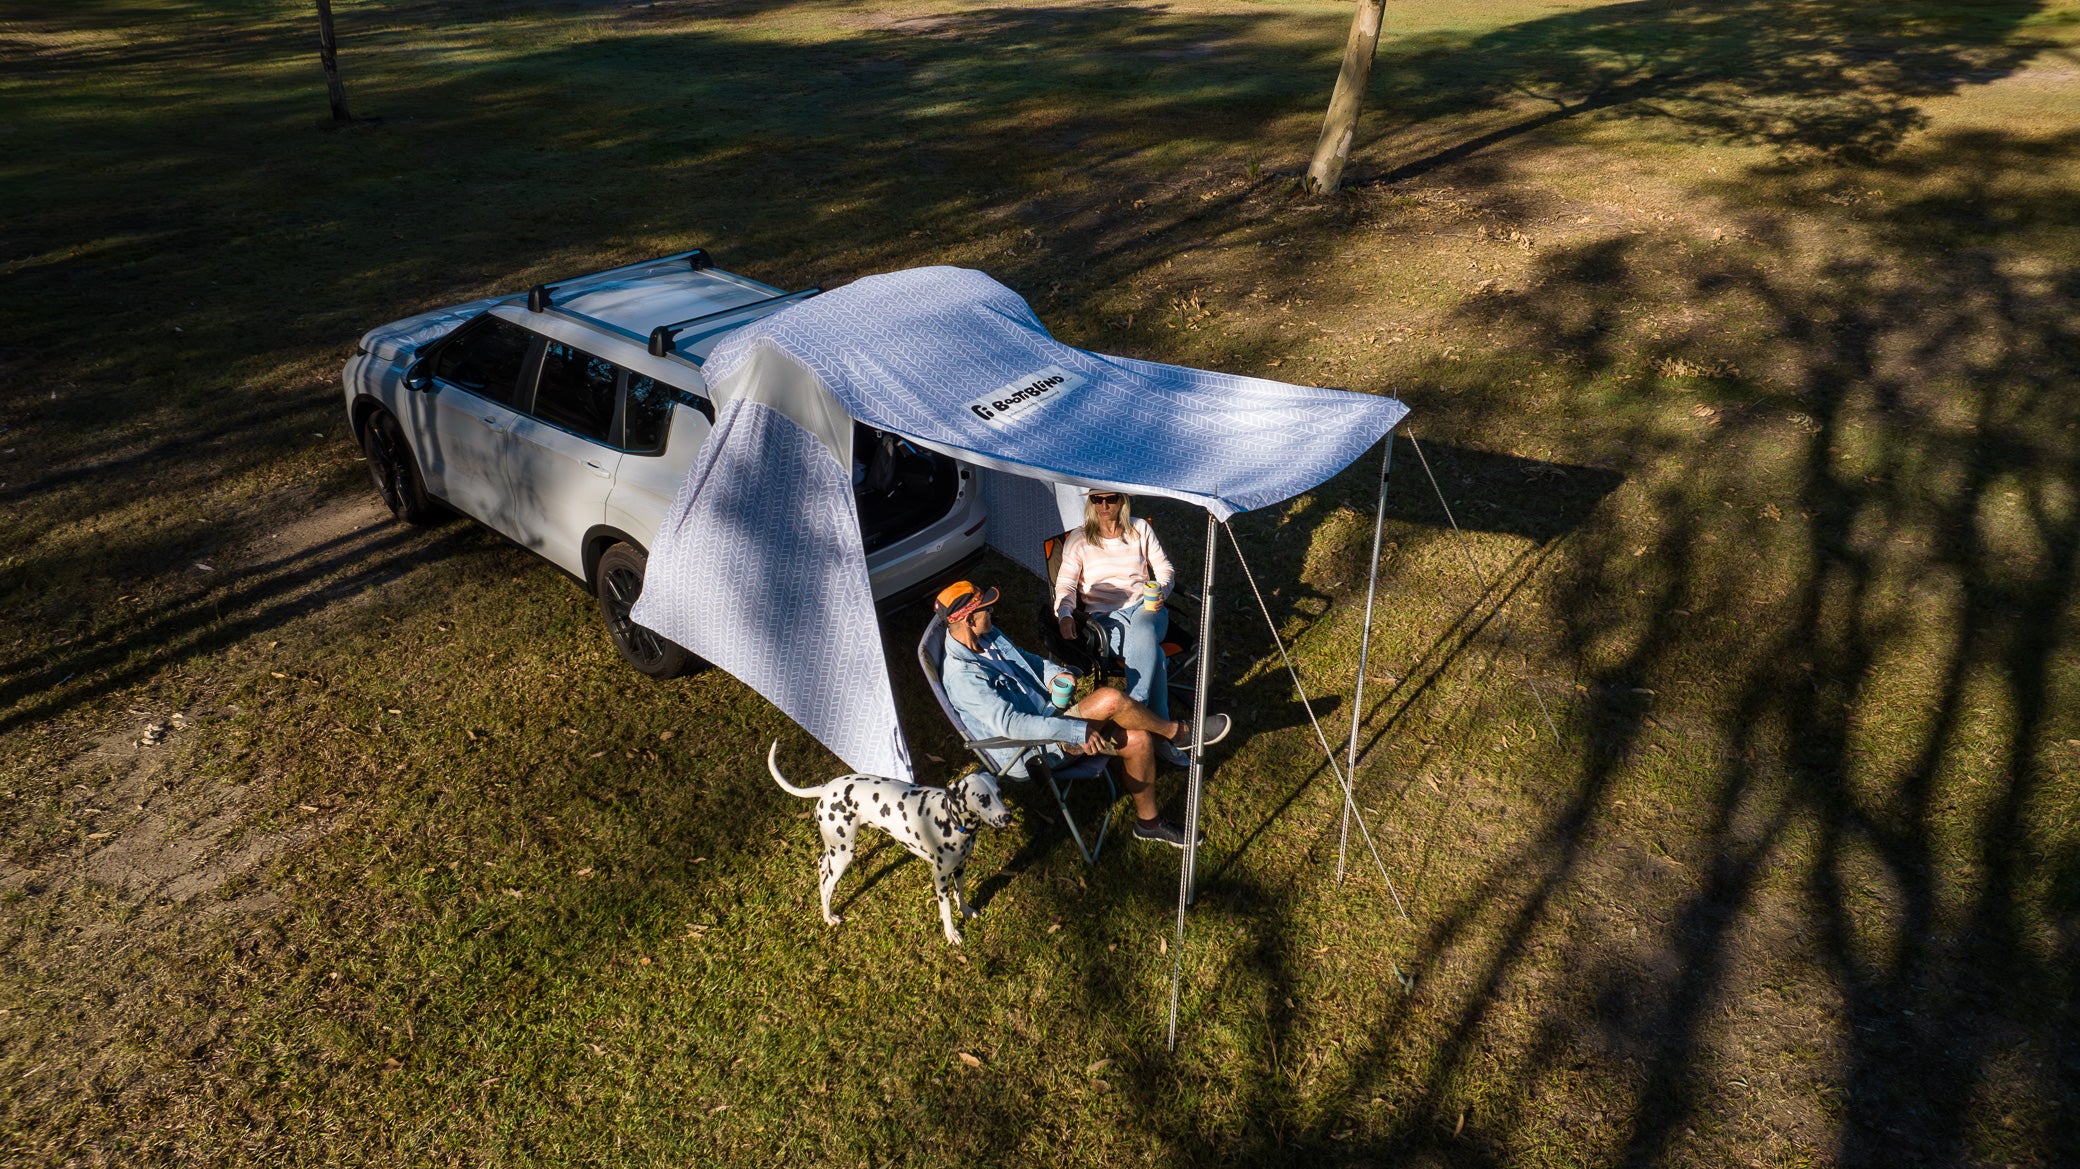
(937, 826)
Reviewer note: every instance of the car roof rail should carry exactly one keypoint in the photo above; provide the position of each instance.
(541, 297)
(663, 337)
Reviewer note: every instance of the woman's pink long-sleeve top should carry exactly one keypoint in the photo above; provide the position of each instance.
(1108, 574)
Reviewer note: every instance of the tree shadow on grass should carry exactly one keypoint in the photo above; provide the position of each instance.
(1906, 484)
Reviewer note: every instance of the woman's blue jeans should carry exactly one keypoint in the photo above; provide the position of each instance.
(1136, 635)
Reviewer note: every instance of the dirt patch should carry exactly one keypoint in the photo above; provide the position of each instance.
(149, 833)
(131, 817)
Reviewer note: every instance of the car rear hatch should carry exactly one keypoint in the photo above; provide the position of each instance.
(901, 488)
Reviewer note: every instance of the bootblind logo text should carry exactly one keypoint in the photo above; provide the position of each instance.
(1001, 406)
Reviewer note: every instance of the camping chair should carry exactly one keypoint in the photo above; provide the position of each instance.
(931, 651)
(1090, 651)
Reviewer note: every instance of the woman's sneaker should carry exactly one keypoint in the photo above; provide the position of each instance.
(1216, 729)
(1163, 831)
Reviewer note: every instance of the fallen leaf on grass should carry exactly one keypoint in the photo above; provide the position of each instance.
(584, 874)
(277, 674)
(392, 1064)
(972, 1061)
(489, 1082)
(1097, 1065)
(99, 835)
(305, 808)
(718, 1108)
(597, 1049)
(595, 754)
(1054, 928)
(515, 894)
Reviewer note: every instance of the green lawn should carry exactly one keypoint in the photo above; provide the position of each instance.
(1743, 338)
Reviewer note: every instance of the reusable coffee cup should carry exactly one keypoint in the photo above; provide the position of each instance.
(1151, 596)
(1064, 688)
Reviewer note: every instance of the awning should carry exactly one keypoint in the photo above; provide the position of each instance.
(758, 566)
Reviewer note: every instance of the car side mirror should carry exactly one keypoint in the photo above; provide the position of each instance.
(419, 376)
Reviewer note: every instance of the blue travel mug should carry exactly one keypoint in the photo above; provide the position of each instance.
(1063, 688)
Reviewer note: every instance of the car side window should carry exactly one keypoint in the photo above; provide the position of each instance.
(648, 411)
(485, 358)
(576, 392)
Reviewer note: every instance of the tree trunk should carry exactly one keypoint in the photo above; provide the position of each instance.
(328, 56)
(1341, 123)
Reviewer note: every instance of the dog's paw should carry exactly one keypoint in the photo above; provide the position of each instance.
(970, 911)
(832, 919)
(953, 937)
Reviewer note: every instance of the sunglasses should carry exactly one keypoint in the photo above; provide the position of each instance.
(1106, 499)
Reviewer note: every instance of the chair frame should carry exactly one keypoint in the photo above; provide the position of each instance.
(931, 648)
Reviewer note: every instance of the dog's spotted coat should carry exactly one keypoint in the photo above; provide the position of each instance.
(936, 825)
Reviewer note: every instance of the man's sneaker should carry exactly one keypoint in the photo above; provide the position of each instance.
(1168, 753)
(1216, 729)
(1163, 831)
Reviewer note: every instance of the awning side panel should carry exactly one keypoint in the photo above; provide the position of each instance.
(758, 568)
(1023, 513)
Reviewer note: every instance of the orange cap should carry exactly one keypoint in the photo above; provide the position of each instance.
(961, 598)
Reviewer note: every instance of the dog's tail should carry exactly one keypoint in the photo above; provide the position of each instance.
(773, 765)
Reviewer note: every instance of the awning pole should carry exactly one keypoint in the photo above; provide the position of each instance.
(1350, 763)
(1187, 878)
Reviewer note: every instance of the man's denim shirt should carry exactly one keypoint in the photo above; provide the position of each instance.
(1002, 694)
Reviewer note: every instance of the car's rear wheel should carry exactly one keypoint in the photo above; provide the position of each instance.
(394, 470)
(619, 581)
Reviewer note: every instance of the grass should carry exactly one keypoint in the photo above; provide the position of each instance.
(1740, 337)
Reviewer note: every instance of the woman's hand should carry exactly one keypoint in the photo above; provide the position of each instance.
(1068, 629)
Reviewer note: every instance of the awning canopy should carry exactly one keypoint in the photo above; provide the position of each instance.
(758, 566)
(953, 360)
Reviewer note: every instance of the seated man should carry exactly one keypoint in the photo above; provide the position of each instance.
(1001, 691)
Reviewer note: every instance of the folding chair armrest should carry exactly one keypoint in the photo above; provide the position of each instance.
(1001, 744)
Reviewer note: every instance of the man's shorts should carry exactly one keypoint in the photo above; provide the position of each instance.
(1114, 741)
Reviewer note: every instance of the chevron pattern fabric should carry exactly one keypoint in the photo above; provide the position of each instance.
(931, 352)
(758, 568)
(1022, 516)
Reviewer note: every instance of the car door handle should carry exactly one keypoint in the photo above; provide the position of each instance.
(491, 420)
(599, 470)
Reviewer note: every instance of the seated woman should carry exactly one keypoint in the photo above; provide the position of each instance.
(1107, 566)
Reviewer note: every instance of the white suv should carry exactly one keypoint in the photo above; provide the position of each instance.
(566, 419)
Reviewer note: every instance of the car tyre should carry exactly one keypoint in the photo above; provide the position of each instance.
(618, 581)
(394, 470)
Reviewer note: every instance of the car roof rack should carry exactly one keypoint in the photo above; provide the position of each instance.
(541, 298)
(663, 337)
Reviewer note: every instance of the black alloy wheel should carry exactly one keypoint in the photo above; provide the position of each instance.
(395, 472)
(619, 580)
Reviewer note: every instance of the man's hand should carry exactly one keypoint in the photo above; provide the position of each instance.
(1068, 629)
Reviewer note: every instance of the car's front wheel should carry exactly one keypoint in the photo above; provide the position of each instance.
(619, 581)
(395, 471)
